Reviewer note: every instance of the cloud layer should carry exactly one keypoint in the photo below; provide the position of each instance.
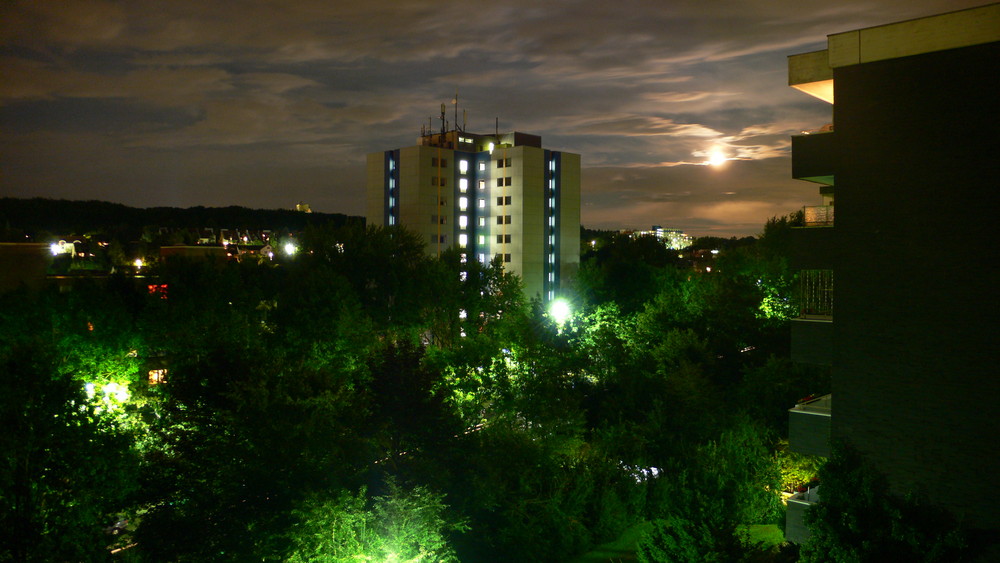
(265, 104)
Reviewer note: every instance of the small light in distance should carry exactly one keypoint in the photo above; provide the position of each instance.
(290, 249)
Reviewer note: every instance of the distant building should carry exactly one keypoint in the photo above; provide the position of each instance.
(489, 196)
(910, 160)
(674, 239)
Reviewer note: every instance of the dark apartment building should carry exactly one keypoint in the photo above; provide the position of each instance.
(911, 162)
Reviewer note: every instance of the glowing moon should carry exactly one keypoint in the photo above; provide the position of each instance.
(716, 159)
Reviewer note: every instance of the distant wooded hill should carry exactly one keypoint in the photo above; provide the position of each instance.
(20, 217)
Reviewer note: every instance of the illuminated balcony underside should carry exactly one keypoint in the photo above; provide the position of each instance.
(811, 73)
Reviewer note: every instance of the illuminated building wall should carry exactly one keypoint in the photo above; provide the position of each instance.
(911, 335)
(488, 195)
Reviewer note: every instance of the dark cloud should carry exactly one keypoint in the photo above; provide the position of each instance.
(265, 104)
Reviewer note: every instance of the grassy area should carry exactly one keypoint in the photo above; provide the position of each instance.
(622, 549)
(770, 535)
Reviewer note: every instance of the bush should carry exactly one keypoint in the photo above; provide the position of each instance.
(859, 520)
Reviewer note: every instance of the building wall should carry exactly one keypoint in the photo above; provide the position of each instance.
(569, 210)
(914, 337)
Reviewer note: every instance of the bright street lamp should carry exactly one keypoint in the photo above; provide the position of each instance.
(559, 309)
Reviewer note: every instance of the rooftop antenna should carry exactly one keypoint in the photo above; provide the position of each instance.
(442, 119)
(465, 115)
(496, 130)
(455, 103)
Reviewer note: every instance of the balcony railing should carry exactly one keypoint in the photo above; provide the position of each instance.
(817, 216)
(816, 294)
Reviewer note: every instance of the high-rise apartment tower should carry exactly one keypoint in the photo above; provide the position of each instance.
(489, 196)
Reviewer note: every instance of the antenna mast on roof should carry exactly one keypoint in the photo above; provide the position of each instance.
(442, 120)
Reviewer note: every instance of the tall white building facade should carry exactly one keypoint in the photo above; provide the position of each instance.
(501, 195)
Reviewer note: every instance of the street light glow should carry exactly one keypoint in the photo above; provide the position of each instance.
(559, 309)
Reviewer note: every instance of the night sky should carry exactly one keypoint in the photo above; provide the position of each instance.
(266, 104)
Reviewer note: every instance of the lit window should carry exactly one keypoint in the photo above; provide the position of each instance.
(463, 184)
(463, 166)
(482, 184)
(482, 203)
(482, 166)
(463, 203)
(482, 221)
(463, 221)
(463, 240)
(482, 239)
(392, 220)
(482, 258)
(157, 376)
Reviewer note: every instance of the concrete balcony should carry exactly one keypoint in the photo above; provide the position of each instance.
(809, 426)
(796, 530)
(813, 157)
(812, 341)
(814, 247)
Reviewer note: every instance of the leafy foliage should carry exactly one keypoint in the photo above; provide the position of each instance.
(66, 469)
(294, 388)
(404, 525)
(859, 519)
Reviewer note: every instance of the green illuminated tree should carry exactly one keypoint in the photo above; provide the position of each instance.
(66, 471)
(703, 507)
(404, 525)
